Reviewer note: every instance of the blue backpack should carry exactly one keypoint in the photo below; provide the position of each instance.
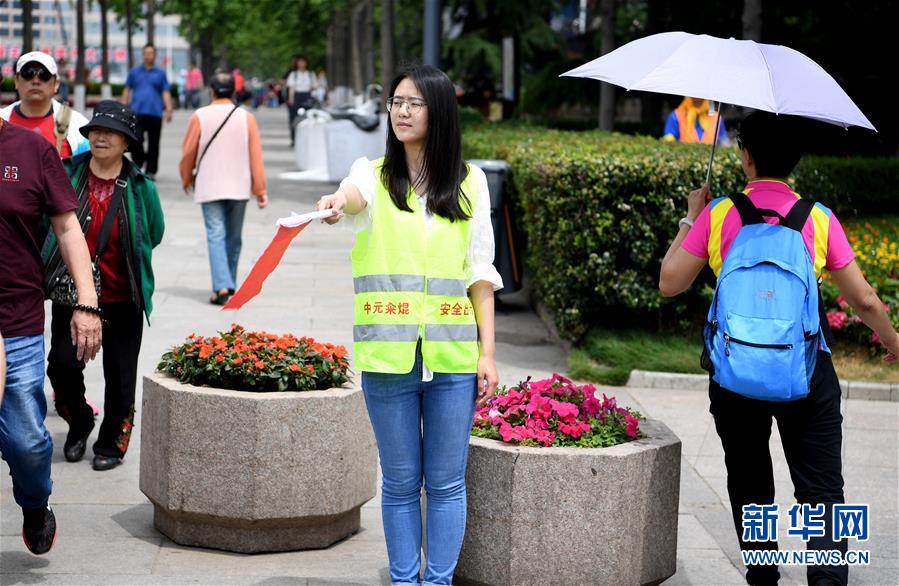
(764, 326)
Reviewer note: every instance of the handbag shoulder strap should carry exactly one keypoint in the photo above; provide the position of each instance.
(117, 196)
(216, 133)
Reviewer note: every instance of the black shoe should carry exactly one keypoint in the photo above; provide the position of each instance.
(74, 452)
(105, 462)
(220, 297)
(76, 445)
(39, 530)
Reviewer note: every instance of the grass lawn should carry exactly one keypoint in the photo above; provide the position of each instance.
(608, 356)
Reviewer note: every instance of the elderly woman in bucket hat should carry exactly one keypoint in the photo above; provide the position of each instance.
(121, 216)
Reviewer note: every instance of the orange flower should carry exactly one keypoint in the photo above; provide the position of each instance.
(295, 368)
(205, 351)
(219, 357)
(259, 365)
(238, 360)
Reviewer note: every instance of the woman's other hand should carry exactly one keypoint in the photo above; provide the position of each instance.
(488, 379)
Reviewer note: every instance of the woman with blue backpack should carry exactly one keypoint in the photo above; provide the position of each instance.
(766, 337)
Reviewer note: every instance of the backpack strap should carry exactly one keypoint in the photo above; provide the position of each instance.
(749, 214)
(798, 214)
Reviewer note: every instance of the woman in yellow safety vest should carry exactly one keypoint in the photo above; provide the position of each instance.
(424, 326)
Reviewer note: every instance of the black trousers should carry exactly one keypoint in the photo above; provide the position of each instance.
(151, 127)
(121, 346)
(811, 434)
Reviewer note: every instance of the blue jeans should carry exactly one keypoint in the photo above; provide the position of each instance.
(224, 223)
(25, 443)
(422, 429)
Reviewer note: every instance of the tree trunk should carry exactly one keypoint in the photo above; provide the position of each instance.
(105, 90)
(80, 89)
(367, 21)
(339, 70)
(651, 102)
(129, 29)
(388, 44)
(357, 47)
(151, 21)
(27, 29)
(206, 56)
(752, 20)
(607, 44)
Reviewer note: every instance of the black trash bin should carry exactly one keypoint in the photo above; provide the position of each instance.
(507, 258)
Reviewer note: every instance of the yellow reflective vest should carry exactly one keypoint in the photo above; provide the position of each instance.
(409, 284)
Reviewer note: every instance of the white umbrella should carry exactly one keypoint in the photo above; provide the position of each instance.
(772, 78)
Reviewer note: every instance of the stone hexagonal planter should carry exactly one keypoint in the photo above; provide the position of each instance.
(540, 516)
(254, 472)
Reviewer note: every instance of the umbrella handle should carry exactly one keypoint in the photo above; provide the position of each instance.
(708, 175)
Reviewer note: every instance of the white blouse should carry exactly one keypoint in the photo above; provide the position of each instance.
(478, 264)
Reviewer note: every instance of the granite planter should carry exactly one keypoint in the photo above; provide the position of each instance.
(255, 472)
(572, 516)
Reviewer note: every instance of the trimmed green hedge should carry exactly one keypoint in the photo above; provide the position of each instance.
(604, 207)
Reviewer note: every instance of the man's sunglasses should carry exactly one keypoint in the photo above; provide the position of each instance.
(29, 73)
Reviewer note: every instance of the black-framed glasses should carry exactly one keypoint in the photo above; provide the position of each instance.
(739, 142)
(414, 105)
(30, 72)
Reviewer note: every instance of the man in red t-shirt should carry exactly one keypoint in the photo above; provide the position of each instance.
(37, 81)
(34, 185)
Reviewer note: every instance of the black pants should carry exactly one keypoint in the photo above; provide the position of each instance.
(151, 126)
(121, 346)
(811, 434)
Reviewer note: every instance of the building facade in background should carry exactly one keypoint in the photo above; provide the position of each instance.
(54, 23)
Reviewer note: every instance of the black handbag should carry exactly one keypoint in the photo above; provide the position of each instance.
(62, 289)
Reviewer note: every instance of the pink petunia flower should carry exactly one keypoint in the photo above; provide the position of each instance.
(837, 319)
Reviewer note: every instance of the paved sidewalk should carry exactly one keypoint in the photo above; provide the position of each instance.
(106, 533)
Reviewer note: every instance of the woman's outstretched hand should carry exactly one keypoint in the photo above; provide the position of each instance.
(337, 202)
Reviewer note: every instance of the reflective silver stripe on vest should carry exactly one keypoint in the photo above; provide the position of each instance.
(451, 333)
(385, 333)
(447, 287)
(388, 283)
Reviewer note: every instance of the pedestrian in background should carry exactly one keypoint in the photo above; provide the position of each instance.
(300, 83)
(424, 247)
(147, 93)
(320, 91)
(193, 83)
(221, 165)
(692, 122)
(37, 81)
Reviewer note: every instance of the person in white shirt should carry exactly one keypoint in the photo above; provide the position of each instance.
(300, 83)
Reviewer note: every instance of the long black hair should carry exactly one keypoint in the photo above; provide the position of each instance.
(443, 169)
